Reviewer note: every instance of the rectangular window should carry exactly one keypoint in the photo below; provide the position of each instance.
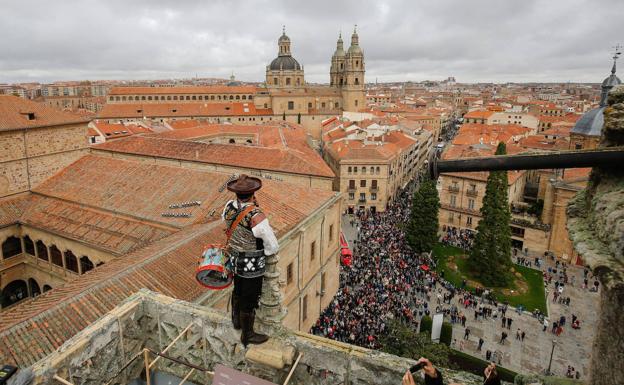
(363, 183)
(471, 204)
(291, 105)
(313, 250)
(331, 233)
(289, 273)
(469, 221)
(351, 196)
(453, 200)
(451, 217)
(352, 183)
(304, 310)
(373, 196)
(374, 183)
(362, 197)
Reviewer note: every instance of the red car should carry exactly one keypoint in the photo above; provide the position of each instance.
(346, 255)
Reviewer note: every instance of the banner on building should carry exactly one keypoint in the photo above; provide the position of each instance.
(436, 327)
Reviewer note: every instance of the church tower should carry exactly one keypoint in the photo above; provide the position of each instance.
(336, 72)
(353, 89)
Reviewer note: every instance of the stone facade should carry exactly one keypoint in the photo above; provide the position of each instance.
(29, 156)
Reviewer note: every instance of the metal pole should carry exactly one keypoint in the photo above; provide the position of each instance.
(551, 357)
(172, 342)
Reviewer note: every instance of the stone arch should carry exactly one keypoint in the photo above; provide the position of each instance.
(35, 289)
(86, 264)
(11, 247)
(56, 256)
(232, 141)
(47, 288)
(14, 292)
(71, 262)
(42, 250)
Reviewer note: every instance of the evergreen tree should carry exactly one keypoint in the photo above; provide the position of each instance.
(403, 340)
(490, 257)
(422, 229)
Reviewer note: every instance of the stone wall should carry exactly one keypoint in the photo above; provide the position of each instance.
(596, 226)
(28, 157)
(148, 320)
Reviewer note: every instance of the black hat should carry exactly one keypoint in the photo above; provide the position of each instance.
(244, 185)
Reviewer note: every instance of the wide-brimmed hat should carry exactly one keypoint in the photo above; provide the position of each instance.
(244, 185)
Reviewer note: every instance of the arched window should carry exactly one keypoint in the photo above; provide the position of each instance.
(357, 81)
(211, 97)
(85, 264)
(188, 97)
(250, 97)
(341, 66)
(244, 97)
(287, 81)
(168, 97)
(56, 255)
(357, 63)
(71, 262)
(47, 288)
(364, 170)
(14, 292)
(309, 105)
(336, 105)
(123, 98)
(35, 290)
(175, 97)
(29, 246)
(275, 81)
(231, 141)
(42, 250)
(143, 97)
(149, 98)
(11, 247)
(349, 169)
(201, 97)
(194, 97)
(298, 81)
(231, 97)
(237, 97)
(117, 98)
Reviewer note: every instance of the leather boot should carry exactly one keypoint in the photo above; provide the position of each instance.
(236, 312)
(249, 336)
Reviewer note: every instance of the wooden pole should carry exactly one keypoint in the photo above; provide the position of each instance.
(187, 376)
(62, 381)
(172, 342)
(292, 370)
(147, 367)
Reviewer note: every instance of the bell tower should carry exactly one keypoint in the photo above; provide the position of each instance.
(337, 69)
(353, 87)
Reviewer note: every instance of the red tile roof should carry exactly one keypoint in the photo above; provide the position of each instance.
(478, 114)
(163, 110)
(14, 114)
(539, 142)
(12, 208)
(480, 150)
(182, 90)
(286, 160)
(393, 144)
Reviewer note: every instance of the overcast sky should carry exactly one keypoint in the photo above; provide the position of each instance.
(498, 40)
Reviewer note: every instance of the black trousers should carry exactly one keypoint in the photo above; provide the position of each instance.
(248, 291)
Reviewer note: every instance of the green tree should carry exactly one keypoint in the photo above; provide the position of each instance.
(403, 340)
(422, 229)
(490, 257)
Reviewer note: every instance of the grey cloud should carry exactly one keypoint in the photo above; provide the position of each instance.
(477, 40)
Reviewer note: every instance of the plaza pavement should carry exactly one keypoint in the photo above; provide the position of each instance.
(572, 347)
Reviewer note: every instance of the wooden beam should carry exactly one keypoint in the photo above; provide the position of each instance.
(187, 376)
(147, 367)
(61, 380)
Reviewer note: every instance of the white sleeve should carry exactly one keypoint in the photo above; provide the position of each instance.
(264, 231)
(225, 208)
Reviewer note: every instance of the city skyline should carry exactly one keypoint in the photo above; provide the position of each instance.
(485, 41)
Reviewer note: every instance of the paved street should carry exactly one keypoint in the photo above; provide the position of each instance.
(572, 347)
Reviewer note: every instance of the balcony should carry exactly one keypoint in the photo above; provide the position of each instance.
(453, 189)
(351, 189)
(362, 200)
(472, 192)
(461, 209)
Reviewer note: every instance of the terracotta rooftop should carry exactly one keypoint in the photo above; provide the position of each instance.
(290, 155)
(182, 90)
(151, 110)
(392, 145)
(480, 150)
(478, 114)
(17, 113)
(539, 142)
(117, 130)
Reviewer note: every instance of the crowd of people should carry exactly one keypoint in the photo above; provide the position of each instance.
(461, 238)
(385, 281)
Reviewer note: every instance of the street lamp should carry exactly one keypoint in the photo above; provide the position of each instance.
(548, 372)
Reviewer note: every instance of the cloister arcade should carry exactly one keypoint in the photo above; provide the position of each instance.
(14, 247)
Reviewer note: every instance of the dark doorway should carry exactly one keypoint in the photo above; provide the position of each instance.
(35, 290)
(11, 247)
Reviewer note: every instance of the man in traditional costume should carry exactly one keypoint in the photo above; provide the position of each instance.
(251, 239)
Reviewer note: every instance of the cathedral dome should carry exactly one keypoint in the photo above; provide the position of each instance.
(611, 81)
(590, 123)
(284, 63)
